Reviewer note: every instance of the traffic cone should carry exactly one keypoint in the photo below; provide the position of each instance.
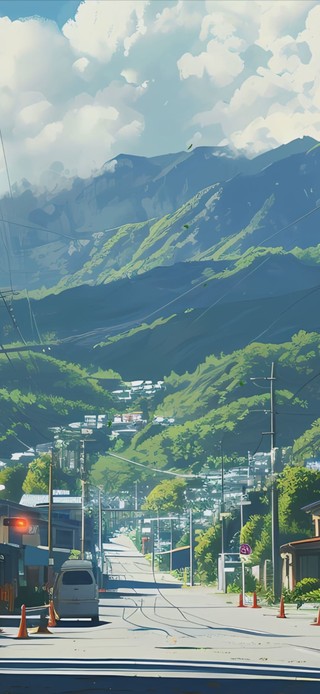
(281, 614)
(255, 602)
(22, 633)
(52, 617)
(316, 622)
(241, 601)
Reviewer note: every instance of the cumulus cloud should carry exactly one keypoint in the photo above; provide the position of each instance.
(151, 77)
(100, 28)
(220, 63)
(185, 13)
(279, 100)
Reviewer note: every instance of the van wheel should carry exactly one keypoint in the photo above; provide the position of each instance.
(94, 621)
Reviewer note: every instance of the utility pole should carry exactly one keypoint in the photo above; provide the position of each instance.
(191, 545)
(50, 508)
(82, 475)
(171, 542)
(276, 565)
(222, 521)
(100, 528)
(135, 503)
(152, 548)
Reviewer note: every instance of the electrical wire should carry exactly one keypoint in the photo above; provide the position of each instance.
(39, 228)
(152, 469)
(297, 301)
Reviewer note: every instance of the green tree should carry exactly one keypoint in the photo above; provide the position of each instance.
(37, 479)
(167, 497)
(298, 487)
(12, 478)
(207, 548)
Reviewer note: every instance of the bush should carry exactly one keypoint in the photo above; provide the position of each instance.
(313, 596)
(306, 590)
(236, 585)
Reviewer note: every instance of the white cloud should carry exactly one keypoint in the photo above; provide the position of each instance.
(131, 76)
(80, 65)
(221, 64)
(110, 166)
(101, 28)
(131, 130)
(280, 100)
(186, 14)
(147, 77)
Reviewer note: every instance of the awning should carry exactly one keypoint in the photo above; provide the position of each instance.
(35, 556)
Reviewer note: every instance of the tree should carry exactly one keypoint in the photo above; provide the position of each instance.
(298, 487)
(12, 478)
(207, 548)
(37, 479)
(167, 497)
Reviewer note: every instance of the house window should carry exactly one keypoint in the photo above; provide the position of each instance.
(309, 566)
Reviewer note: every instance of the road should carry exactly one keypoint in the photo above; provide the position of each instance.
(150, 625)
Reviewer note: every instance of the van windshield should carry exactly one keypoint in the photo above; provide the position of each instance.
(78, 578)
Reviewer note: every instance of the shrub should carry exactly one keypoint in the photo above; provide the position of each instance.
(313, 596)
(236, 585)
(306, 590)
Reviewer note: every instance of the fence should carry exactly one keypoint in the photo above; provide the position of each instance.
(7, 597)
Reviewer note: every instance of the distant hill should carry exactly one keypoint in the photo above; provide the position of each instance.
(173, 317)
(219, 404)
(93, 214)
(190, 267)
(39, 391)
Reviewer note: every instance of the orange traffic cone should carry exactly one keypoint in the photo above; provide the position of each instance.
(255, 602)
(241, 600)
(316, 622)
(52, 617)
(281, 614)
(22, 633)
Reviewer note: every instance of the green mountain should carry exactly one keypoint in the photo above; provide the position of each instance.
(218, 404)
(39, 392)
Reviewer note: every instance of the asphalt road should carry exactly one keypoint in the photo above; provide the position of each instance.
(152, 627)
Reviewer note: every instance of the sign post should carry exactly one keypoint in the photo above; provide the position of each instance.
(244, 551)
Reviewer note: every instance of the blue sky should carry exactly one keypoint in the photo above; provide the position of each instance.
(81, 82)
(58, 10)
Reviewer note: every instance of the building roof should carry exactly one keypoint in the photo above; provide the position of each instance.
(310, 541)
(37, 499)
(312, 508)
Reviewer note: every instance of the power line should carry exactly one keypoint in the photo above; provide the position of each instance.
(294, 303)
(39, 228)
(147, 467)
(6, 164)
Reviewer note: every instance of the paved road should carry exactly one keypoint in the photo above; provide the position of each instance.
(150, 623)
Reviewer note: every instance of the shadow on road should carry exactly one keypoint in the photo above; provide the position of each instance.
(106, 684)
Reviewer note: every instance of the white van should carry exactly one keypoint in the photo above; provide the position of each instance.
(75, 592)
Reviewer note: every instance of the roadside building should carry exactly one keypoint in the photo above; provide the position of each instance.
(301, 558)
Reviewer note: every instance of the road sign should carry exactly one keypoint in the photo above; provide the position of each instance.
(245, 549)
(244, 558)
